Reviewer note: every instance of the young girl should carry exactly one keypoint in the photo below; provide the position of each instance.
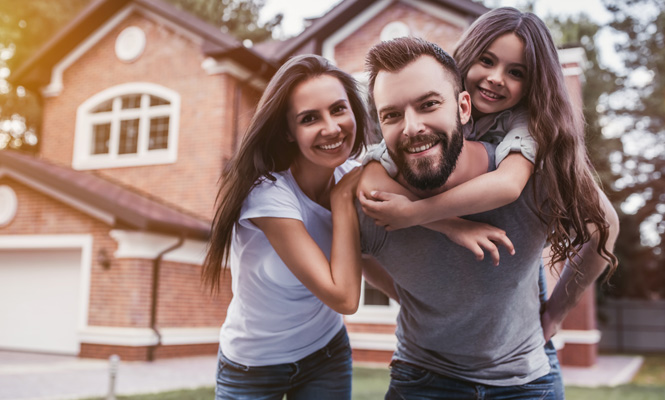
(511, 70)
(283, 334)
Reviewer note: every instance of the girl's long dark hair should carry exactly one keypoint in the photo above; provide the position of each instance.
(265, 149)
(571, 199)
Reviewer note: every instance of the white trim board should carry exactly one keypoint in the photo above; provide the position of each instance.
(136, 337)
(135, 244)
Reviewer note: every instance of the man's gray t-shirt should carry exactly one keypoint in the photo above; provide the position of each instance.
(464, 318)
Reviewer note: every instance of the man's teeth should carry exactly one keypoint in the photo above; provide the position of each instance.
(331, 146)
(420, 148)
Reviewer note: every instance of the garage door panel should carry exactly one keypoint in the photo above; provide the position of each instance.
(40, 300)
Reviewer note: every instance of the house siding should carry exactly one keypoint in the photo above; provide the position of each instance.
(172, 60)
(350, 53)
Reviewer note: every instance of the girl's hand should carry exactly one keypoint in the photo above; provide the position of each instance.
(389, 210)
(475, 236)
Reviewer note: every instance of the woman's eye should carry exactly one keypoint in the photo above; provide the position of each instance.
(306, 119)
(485, 60)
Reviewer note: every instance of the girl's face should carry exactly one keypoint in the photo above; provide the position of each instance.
(321, 122)
(497, 79)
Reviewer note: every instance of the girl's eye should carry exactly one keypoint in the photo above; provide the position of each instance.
(485, 60)
(517, 73)
(338, 109)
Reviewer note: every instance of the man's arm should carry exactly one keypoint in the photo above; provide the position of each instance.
(569, 290)
(378, 277)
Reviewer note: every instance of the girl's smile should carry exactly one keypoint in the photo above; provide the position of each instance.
(497, 80)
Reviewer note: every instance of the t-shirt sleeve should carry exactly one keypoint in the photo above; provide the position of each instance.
(270, 199)
(379, 153)
(517, 140)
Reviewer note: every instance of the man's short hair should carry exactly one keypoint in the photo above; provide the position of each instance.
(393, 55)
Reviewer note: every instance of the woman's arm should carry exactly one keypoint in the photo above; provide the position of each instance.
(336, 283)
(483, 193)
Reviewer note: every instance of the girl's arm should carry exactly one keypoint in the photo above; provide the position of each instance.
(475, 236)
(483, 193)
(336, 283)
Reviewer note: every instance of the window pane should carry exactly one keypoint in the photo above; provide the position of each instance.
(129, 136)
(157, 101)
(159, 133)
(374, 297)
(103, 107)
(131, 101)
(100, 138)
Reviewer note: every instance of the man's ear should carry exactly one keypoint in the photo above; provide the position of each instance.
(464, 103)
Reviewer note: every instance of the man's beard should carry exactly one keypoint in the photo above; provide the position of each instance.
(422, 172)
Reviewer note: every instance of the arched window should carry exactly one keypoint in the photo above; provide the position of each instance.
(127, 125)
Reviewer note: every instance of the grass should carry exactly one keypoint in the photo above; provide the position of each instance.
(372, 383)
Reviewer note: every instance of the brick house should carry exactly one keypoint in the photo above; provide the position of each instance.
(103, 232)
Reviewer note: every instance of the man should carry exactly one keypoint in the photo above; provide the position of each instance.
(465, 329)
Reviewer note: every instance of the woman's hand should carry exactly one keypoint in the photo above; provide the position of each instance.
(475, 236)
(345, 189)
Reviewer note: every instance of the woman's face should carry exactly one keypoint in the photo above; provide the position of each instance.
(497, 79)
(321, 122)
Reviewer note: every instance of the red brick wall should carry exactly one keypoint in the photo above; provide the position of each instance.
(171, 60)
(350, 53)
(121, 295)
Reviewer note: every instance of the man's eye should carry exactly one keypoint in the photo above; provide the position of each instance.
(389, 116)
(429, 104)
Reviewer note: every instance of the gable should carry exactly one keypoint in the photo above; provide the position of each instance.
(386, 20)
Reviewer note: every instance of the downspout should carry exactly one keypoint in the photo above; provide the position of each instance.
(156, 267)
(236, 102)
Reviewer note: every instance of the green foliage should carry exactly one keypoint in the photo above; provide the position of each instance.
(237, 17)
(24, 27)
(639, 169)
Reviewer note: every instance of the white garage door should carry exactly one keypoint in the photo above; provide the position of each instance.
(40, 300)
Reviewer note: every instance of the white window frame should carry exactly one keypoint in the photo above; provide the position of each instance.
(84, 159)
(374, 314)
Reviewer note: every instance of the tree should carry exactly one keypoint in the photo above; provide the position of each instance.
(237, 17)
(26, 25)
(637, 110)
(23, 29)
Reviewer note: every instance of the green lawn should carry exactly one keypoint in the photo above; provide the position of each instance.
(371, 384)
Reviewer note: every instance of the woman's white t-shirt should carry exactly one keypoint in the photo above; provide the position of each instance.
(273, 318)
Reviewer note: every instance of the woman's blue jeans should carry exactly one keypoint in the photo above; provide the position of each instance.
(324, 374)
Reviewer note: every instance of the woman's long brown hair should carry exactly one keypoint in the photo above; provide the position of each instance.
(570, 201)
(265, 149)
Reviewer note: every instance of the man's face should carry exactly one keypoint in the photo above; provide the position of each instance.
(420, 120)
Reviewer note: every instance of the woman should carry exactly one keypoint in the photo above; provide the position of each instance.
(283, 333)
